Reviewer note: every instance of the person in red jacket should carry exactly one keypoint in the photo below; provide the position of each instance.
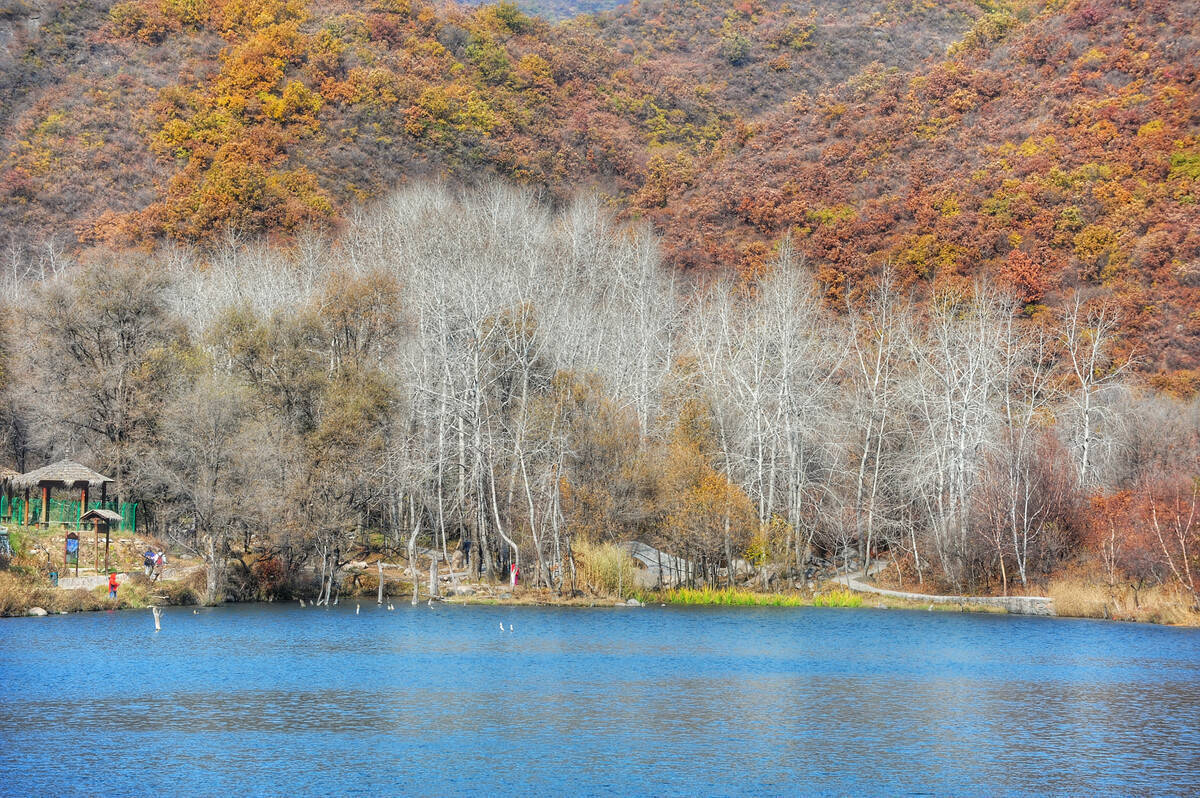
(112, 584)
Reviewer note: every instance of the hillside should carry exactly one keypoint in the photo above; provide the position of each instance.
(1047, 145)
(153, 118)
(1050, 154)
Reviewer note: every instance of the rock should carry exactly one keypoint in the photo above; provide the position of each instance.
(505, 595)
(463, 590)
(38, 611)
(633, 603)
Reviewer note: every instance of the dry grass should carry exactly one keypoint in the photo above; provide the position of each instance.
(20, 592)
(1084, 596)
(605, 569)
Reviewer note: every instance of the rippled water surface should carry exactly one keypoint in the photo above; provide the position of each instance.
(270, 699)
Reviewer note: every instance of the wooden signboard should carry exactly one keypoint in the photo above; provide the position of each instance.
(72, 551)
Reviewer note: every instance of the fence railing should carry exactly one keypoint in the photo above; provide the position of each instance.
(65, 511)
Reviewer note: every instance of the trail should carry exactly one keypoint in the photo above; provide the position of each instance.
(1017, 605)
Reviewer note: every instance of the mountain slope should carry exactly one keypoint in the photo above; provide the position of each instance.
(173, 118)
(1049, 145)
(1050, 154)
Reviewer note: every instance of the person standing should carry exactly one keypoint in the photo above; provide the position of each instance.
(160, 562)
(148, 561)
(112, 584)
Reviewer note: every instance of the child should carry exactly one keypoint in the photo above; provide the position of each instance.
(112, 584)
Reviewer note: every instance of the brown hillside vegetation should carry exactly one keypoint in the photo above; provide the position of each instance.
(1046, 145)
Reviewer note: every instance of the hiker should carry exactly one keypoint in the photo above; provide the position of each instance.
(160, 562)
(148, 560)
(112, 584)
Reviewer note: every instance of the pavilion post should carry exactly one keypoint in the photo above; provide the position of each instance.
(25, 510)
(83, 508)
(46, 505)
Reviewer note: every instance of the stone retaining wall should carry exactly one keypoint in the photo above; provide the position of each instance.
(1017, 605)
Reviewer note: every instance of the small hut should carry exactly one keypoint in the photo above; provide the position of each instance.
(63, 475)
(101, 520)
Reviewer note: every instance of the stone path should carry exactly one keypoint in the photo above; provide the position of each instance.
(1017, 605)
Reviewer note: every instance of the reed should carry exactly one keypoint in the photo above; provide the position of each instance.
(605, 568)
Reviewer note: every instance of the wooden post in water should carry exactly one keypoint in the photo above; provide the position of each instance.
(157, 618)
(379, 599)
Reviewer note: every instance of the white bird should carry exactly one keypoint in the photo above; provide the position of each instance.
(301, 602)
(390, 608)
(356, 609)
(510, 627)
(502, 626)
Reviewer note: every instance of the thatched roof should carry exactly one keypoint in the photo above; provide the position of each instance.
(107, 516)
(65, 473)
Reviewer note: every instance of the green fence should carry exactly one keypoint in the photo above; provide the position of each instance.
(65, 511)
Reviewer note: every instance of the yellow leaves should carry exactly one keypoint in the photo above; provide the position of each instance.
(963, 100)
(296, 105)
(948, 206)
(924, 256)
(186, 13)
(375, 86)
(1093, 243)
(1151, 129)
(206, 130)
(706, 506)
(833, 214)
(455, 107)
(664, 178)
(533, 72)
(238, 16)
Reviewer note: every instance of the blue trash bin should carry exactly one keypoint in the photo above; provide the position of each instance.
(54, 579)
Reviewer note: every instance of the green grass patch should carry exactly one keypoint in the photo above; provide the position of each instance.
(837, 598)
(729, 597)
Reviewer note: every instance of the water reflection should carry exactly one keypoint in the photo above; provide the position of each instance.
(276, 700)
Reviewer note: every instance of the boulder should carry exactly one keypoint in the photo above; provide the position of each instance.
(463, 590)
(38, 611)
(633, 603)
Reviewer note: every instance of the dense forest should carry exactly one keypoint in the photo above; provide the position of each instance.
(754, 281)
(476, 372)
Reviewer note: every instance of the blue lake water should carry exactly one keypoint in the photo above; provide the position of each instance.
(279, 700)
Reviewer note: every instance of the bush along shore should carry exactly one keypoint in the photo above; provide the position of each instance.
(606, 575)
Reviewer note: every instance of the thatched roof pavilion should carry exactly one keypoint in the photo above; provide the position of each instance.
(7, 475)
(65, 474)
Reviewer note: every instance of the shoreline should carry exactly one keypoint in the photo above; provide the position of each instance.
(833, 596)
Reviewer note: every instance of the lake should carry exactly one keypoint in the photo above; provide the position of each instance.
(275, 699)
